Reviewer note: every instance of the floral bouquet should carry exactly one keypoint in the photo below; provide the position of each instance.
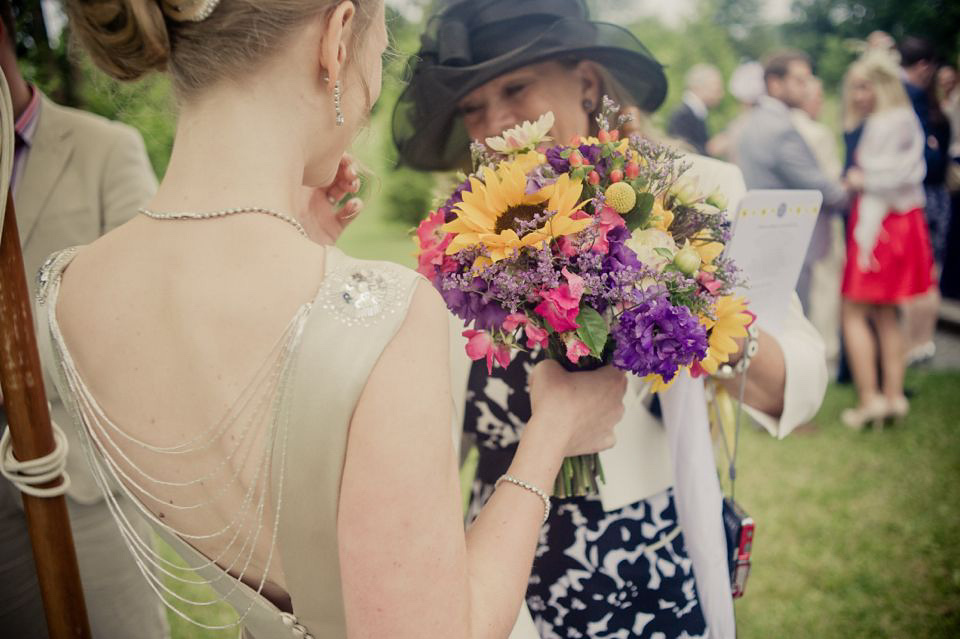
(598, 252)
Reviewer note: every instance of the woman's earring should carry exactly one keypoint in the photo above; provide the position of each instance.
(588, 105)
(336, 103)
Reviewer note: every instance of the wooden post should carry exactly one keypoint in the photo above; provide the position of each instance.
(32, 437)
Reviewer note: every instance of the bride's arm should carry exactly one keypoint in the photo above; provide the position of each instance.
(408, 570)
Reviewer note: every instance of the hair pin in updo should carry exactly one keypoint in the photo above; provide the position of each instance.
(188, 10)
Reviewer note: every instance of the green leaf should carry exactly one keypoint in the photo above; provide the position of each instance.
(645, 202)
(593, 330)
(664, 252)
(640, 214)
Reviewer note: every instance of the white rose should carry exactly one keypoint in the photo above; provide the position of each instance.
(645, 244)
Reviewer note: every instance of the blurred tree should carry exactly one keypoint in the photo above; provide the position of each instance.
(696, 40)
(828, 29)
(44, 62)
(405, 195)
(750, 35)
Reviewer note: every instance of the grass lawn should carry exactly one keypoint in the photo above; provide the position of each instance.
(858, 534)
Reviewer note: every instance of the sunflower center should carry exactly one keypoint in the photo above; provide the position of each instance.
(520, 218)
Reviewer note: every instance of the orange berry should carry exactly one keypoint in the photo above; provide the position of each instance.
(603, 136)
(632, 170)
(616, 175)
(593, 178)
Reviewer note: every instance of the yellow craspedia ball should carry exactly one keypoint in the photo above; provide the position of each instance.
(621, 197)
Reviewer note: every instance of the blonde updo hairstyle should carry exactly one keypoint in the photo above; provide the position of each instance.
(128, 39)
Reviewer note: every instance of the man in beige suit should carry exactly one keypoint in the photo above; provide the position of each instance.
(76, 176)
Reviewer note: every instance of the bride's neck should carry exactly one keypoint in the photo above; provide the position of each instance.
(234, 149)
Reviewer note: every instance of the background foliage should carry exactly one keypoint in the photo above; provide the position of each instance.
(723, 32)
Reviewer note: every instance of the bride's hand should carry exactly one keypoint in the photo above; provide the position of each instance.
(580, 408)
(321, 218)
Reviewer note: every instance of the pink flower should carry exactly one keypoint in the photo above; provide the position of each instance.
(568, 245)
(606, 221)
(561, 305)
(709, 282)
(576, 283)
(480, 345)
(536, 335)
(433, 244)
(513, 321)
(576, 349)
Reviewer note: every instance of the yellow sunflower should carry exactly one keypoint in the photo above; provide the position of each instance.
(731, 321)
(657, 383)
(489, 213)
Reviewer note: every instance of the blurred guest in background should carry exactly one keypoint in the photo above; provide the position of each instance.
(746, 86)
(918, 60)
(889, 258)
(819, 283)
(881, 41)
(772, 153)
(704, 91)
(75, 177)
(948, 87)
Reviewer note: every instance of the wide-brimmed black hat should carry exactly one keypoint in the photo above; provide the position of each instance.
(471, 42)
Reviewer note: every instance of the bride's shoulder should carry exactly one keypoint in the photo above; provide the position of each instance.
(51, 270)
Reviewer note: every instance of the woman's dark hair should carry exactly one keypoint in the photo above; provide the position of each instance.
(914, 50)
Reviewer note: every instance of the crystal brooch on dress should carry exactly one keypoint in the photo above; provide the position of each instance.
(360, 296)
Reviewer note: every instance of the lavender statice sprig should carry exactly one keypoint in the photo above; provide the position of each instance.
(608, 112)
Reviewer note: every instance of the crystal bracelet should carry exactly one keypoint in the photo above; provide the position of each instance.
(527, 486)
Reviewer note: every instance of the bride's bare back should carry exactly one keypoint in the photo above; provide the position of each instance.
(173, 327)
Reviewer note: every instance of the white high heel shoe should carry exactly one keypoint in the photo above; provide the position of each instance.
(873, 412)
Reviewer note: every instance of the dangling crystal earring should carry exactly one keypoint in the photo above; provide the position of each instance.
(588, 105)
(336, 103)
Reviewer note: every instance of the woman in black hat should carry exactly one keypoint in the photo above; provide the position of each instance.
(615, 565)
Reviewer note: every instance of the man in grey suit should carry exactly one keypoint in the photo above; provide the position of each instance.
(76, 176)
(773, 155)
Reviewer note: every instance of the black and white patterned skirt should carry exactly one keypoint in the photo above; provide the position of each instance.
(623, 574)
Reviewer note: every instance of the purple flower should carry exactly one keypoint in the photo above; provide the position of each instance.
(656, 337)
(560, 164)
(591, 153)
(456, 198)
(620, 256)
(474, 306)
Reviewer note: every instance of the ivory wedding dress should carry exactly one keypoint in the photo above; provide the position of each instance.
(296, 411)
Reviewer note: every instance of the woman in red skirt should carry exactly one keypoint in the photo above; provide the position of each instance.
(889, 258)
